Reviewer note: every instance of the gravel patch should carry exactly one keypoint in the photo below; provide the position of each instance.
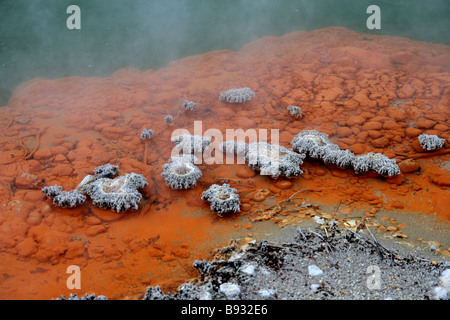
(324, 262)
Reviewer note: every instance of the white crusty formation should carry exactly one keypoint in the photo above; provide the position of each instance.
(181, 173)
(313, 143)
(183, 158)
(376, 162)
(106, 171)
(52, 191)
(431, 142)
(191, 143)
(338, 157)
(168, 119)
(147, 133)
(222, 198)
(65, 199)
(103, 171)
(274, 160)
(189, 105)
(295, 111)
(317, 145)
(118, 194)
(240, 95)
(238, 148)
(69, 199)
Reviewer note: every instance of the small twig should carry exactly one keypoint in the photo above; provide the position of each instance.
(317, 234)
(326, 232)
(274, 246)
(361, 222)
(299, 230)
(337, 208)
(366, 241)
(11, 121)
(377, 243)
(301, 207)
(22, 145)
(374, 239)
(38, 139)
(289, 199)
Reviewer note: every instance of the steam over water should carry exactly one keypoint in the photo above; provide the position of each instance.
(35, 42)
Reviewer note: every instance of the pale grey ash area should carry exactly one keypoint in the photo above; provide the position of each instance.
(314, 264)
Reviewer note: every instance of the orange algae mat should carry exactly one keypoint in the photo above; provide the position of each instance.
(368, 93)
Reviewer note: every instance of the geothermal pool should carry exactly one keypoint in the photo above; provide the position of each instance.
(368, 93)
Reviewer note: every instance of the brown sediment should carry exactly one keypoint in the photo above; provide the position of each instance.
(376, 95)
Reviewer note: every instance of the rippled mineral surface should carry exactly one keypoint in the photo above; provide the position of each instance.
(367, 93)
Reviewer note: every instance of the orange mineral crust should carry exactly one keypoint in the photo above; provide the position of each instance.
(367, 93)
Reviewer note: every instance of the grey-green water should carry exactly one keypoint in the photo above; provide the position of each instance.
(35, 42)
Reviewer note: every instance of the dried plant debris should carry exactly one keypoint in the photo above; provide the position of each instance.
(240, 95)
(315, 264)
(431, 142)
